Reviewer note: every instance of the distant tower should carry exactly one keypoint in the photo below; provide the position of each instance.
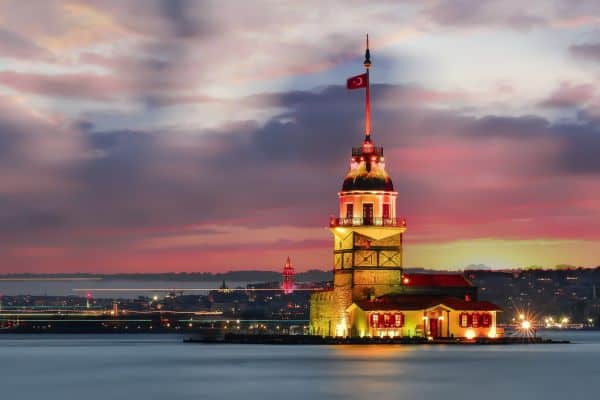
(288, 277)
(88, 299)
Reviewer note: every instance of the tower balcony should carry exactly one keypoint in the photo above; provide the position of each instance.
(374, 221)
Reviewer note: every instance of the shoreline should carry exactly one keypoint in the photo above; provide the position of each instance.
(319, 340)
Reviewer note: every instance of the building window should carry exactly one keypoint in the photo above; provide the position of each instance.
(486, 320)
(386, 320)
(475, 320)
(374, 320)
(464, 320)
(399, 320)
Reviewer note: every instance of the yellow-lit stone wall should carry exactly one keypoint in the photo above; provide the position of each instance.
(328, 316)
(367, 261)
(376, 282)
(458, 331)
(415, 325)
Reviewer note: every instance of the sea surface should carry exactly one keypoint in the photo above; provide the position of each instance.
(145, 366)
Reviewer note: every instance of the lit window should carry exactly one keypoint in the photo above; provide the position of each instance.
(464, 320)
(399, 320)
(374, 320)
(349, 210)
(386, 211)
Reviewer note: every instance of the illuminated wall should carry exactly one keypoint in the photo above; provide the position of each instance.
(358, 198)
(417, 323)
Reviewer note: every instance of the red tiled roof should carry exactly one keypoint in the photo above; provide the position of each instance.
(432, 280)
(399, 302)
(410, 302)
(462, 305)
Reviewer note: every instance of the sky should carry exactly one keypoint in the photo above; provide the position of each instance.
(151, 136)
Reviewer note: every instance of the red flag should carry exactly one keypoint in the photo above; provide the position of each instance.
(357, 82)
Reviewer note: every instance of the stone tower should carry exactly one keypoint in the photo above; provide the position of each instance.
(367, 234)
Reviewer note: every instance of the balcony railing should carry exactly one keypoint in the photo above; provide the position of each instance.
(360, 221)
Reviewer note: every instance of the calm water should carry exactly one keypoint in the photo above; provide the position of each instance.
(161, 367)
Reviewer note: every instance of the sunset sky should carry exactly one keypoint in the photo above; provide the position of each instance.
(147, 136)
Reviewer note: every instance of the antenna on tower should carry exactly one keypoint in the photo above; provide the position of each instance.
(367, 65)
(367, 62)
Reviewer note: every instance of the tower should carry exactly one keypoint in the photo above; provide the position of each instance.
(371, 296)
(287, 283)
(367, 233)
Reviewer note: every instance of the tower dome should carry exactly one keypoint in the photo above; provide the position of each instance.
(367, 170)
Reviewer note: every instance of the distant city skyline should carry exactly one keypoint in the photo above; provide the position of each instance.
(159, 136)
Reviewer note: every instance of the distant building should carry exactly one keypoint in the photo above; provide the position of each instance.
(287, 283)
(371, 296)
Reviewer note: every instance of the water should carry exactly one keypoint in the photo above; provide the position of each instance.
(67, 287)
(129, 367)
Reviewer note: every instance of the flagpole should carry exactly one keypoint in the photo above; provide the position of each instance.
(367, 65)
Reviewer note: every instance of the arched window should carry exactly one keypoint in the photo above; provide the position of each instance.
(476, 320)
(464, 320)
(374, 320)
(398, 320)
(387, 320)
(486, 320)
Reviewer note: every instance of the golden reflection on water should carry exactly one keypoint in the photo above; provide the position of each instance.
(375, 351)
(372, 369)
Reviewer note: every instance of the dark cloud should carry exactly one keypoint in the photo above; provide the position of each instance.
(581, 147)
(586, 51)
(453, 171)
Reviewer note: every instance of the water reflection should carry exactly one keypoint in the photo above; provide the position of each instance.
(159, 367)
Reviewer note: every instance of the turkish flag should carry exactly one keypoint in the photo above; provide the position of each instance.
(357, 82)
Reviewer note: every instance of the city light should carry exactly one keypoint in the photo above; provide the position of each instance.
(470, 334)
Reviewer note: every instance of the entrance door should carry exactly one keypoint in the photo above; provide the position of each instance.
(433, 327)
(368, 214)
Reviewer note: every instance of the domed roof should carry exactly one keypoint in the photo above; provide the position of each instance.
(368, 181)
(367, 169)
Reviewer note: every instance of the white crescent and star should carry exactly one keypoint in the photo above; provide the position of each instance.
(358, 81)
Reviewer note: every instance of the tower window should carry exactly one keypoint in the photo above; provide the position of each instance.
(386, 211)
(367, 214)
(349, 210)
